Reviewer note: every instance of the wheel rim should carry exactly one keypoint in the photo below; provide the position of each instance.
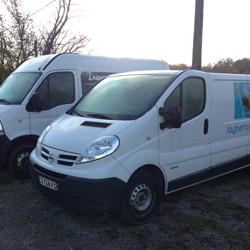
(22, 161)
(141, 198)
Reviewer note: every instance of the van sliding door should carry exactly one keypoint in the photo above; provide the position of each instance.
(230, 124)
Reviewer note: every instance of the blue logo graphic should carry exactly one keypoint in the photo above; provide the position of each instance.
(242, 100)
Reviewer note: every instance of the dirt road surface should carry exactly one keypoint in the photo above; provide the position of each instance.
(212, 215)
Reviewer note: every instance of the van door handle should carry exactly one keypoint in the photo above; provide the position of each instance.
(205, 126)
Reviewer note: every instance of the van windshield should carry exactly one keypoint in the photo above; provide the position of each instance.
(123, 97)
(14, 89)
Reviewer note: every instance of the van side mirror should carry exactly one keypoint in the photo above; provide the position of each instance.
(172, 117)
(34, 104)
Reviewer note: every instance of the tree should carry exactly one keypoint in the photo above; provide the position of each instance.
(20, 40)
(224, 66)
(207, 68)
(15, 38)
(242, 66)
(57, 39)
(178, 66)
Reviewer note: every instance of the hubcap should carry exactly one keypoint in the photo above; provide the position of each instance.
(22, 160)
(141, 198)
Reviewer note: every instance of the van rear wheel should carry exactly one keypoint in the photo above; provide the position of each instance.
(141, 198)
(18, 160)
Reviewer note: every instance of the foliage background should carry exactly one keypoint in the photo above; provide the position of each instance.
(241, 66)
(20, 39)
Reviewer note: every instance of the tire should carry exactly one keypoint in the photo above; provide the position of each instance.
(18, 160)
(141, 198)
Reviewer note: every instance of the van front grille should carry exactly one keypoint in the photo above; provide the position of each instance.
(67, 160)
(62, 159)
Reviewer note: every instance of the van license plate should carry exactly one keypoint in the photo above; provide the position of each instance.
(48, 183)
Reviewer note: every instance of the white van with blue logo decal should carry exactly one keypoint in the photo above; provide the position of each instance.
(43, 88)
(135, 137)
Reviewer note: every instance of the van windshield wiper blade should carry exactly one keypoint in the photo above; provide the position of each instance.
(75, 112)
(4, 101)
(99, 116)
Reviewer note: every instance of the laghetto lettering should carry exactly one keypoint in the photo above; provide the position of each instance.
(238, 128)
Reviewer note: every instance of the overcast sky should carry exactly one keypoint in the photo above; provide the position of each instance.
(158, 29)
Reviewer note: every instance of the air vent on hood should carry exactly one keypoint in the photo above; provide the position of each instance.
(96, 124)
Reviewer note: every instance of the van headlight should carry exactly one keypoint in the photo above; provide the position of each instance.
(39, 141)
(100, 148)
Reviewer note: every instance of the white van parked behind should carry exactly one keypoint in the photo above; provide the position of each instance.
(43, 88)
(137, 136)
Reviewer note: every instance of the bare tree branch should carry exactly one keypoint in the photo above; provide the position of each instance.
(19, 40)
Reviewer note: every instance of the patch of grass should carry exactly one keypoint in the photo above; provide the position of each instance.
(186, 228)
(225, 207)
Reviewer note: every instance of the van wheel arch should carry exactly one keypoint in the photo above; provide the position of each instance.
(157, 172)
(142, 195)
(18, 156)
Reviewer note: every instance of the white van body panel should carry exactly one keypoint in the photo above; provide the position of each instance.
(4, 109)
(17, 119)
(139, 143)
(34, 64)
(81, 136)
(226, 145)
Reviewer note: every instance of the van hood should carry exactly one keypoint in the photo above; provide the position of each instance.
(5, 108)
(74, 134)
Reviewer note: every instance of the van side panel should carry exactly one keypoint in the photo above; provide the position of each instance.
(16, 123)
(230, 127)
(139, 143)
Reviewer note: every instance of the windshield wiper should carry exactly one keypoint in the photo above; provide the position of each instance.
(99, 116)
(4, 101)
(75, 112)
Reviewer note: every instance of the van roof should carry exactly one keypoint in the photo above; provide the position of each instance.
(35, 64)
(72, 61)
(211, 76)
(150, 72)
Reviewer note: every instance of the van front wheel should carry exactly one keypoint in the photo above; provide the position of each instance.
(18, 160)
(141, 198)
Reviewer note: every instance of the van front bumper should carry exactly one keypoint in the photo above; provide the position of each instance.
(91, 197)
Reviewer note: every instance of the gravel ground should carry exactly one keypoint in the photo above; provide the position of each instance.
(212, 215)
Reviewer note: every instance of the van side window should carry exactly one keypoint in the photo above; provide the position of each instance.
(57, 89)
(189, 96)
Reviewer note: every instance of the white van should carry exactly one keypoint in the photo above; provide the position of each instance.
(137, 136)
(43, 88)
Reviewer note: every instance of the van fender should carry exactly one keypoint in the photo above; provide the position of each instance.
(24, 138)
(158, 172)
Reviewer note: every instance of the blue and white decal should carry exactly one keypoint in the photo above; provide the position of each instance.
(241, 100)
